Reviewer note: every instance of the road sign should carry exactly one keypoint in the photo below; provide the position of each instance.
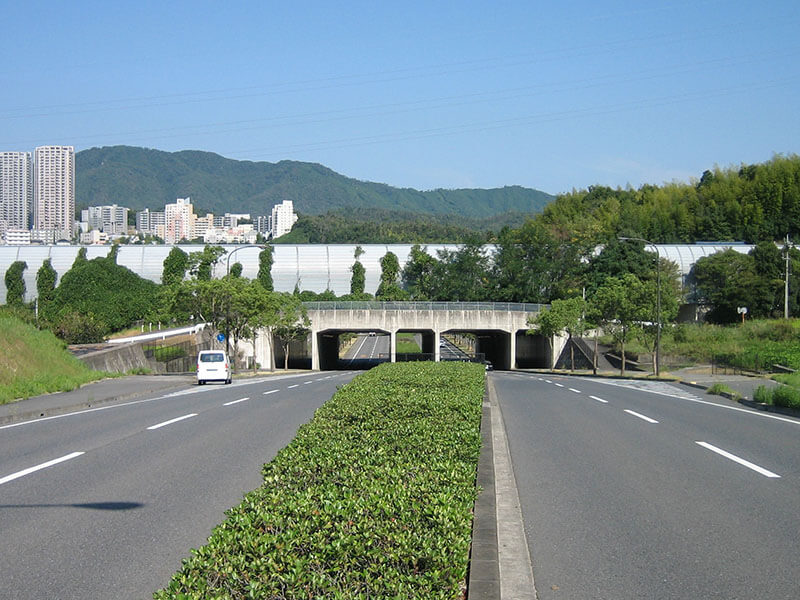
(220, 337)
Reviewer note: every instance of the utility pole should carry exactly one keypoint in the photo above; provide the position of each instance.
(786, 281)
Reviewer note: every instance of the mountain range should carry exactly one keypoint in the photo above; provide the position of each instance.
(140, 178)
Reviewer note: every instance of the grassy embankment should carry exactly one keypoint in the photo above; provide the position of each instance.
(407, 344)
(372, 499)
(34, 362)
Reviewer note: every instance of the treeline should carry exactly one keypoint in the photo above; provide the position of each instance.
(750, 203)
(393, 227)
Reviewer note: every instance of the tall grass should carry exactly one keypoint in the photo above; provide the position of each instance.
(755, 345)
(34, 362)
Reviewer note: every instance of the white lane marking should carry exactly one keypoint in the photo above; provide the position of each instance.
(560, 384)
(547, 381)
(44, 465)
(599, 399)
(642, 417)
(294, 386)
(574, 390)
(171, 421)
(736, 459)
(235, 401)
(270, 392)
(307, 382)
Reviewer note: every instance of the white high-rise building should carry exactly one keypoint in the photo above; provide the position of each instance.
(283, 218)
(16, 190)
(179, 221)
(54, 191)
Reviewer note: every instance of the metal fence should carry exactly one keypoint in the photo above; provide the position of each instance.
(485, 306)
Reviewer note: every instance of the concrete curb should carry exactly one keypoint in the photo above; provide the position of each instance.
(781, 410)
(484, 571)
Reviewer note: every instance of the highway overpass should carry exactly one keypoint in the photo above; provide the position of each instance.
(499, 328)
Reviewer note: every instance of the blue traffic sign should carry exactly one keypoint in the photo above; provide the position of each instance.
(220, 337)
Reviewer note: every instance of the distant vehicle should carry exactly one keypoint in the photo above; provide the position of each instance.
(488, 365)
(213, 365)
(371, 334)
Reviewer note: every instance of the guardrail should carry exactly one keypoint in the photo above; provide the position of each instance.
(492, 306)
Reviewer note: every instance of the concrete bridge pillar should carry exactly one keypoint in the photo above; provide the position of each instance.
(393, 345)
(437, 351)
(513, 340)
(314, 350)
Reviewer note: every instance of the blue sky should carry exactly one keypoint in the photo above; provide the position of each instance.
(549, 95)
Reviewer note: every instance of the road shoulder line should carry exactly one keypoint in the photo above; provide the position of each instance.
(514, 560)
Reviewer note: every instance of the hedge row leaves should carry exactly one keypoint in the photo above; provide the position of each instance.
(372, 499)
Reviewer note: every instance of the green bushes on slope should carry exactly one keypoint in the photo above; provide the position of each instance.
(372, 499)
(35, 362)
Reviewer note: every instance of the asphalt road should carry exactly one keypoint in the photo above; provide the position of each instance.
(366, 352)
(105, 503)
(629, 493)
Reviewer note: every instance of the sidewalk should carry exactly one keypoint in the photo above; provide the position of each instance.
(91, 395)
(105, 391)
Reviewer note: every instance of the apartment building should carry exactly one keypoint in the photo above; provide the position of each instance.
(179, 220)
(53, 193)
(111, 219)
(16, 191)
(283, 218)
(151, 222)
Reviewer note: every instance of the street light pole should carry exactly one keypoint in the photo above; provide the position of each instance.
(658, 297)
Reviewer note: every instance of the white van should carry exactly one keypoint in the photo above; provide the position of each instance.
(213, 365)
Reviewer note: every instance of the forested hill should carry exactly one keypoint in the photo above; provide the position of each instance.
(143, 178)
(750, 203)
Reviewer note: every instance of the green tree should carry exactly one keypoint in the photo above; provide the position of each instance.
(265, 260)
(175, 266)
(15, 284)
(201, 264)
(533, 265)
(358, 280)
(236, 270)
(418, 274)
(111, 294)
(464, 275)
(562, 316)
(727, 280)
(80, 257)
(46, 278)
(388, 288)
(290, 324)
(619, 305)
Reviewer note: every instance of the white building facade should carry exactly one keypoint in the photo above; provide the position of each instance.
(54, 192)
(16, 191)
(283, 218)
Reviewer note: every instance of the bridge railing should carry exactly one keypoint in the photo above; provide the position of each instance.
(492, 306)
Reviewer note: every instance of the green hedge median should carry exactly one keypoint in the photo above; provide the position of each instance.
(372, 499)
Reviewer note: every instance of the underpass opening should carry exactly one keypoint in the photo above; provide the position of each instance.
(533, 351)
(359, 349)
(483, 346)
(415, 345)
